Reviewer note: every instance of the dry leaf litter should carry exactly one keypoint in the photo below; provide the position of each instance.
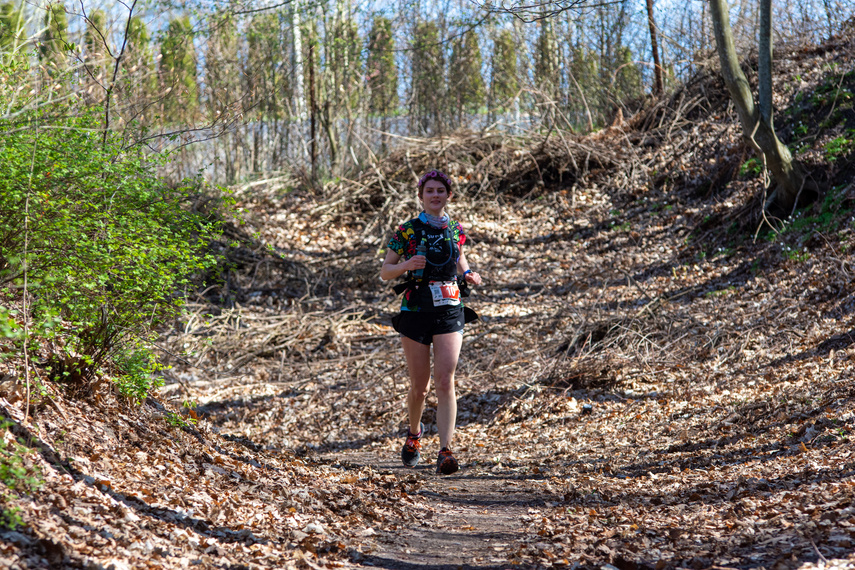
(643, 390)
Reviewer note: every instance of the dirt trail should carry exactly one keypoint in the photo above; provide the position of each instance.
(474, 520)
(720, 434)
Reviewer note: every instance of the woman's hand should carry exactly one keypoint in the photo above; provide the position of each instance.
(473, 278)
(415, 262)
(393, 267)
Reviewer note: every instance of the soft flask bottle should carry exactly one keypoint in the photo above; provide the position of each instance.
(421, 250)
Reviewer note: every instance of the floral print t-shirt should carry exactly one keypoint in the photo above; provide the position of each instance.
(404, 243)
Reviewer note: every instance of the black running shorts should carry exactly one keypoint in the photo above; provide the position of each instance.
(421, 326)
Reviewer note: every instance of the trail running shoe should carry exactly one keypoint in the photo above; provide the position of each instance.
(445, 462)
(411, 453)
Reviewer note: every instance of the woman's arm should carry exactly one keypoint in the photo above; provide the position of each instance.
(463, 267)
(394, 267)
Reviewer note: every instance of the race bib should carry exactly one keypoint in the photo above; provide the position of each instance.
(445, 293)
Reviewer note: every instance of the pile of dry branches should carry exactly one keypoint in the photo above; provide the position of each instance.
(484, 165)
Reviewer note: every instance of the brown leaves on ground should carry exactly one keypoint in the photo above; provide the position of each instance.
(648, 387)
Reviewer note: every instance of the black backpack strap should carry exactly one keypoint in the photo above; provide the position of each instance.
(401, 287)
(463, 285)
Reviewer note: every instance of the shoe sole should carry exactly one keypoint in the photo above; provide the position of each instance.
(415, 460)
(448, 468)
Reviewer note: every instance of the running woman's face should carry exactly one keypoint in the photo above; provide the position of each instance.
(434, 196)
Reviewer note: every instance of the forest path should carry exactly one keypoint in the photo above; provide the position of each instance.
(474, 517)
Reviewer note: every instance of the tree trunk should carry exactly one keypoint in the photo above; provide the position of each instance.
(658, 86)
(524, 58)
(313, 110)
(757, 130)
(328, 120)
(297, 62)
(590, 120)
(764, 64)
(256, 146)
(334, 94)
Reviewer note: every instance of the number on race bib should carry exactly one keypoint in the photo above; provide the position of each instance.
(445, 293)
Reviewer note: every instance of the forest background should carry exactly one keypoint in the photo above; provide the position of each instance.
(123, 123)
(323, 86)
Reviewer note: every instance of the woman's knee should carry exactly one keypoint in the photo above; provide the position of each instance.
(445, 384)
(419, 391)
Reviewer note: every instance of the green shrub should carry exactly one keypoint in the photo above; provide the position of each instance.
(137, 367)
(17, 478)
(822, 217)
(838, 147)
(9, 327)
(751, 167)
(109, 248)
(796, 255)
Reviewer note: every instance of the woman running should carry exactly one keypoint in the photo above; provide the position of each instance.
(430, 248)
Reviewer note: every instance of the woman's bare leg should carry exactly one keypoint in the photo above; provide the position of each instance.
(418, 364)
(446, 352)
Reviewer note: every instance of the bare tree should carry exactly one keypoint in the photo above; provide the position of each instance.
(756, 120)
(658, 84)
(382, 74)
(297, 59)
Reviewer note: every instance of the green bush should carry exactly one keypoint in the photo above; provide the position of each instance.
(109, 246)
(9, 327)
(17, 478)
(839, 147)
(751, 167)
(136, 367)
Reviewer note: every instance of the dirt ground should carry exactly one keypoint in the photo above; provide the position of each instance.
(719, 435)
(660, 378)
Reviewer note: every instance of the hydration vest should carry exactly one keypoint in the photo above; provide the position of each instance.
(442, 255)
(442, 252)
